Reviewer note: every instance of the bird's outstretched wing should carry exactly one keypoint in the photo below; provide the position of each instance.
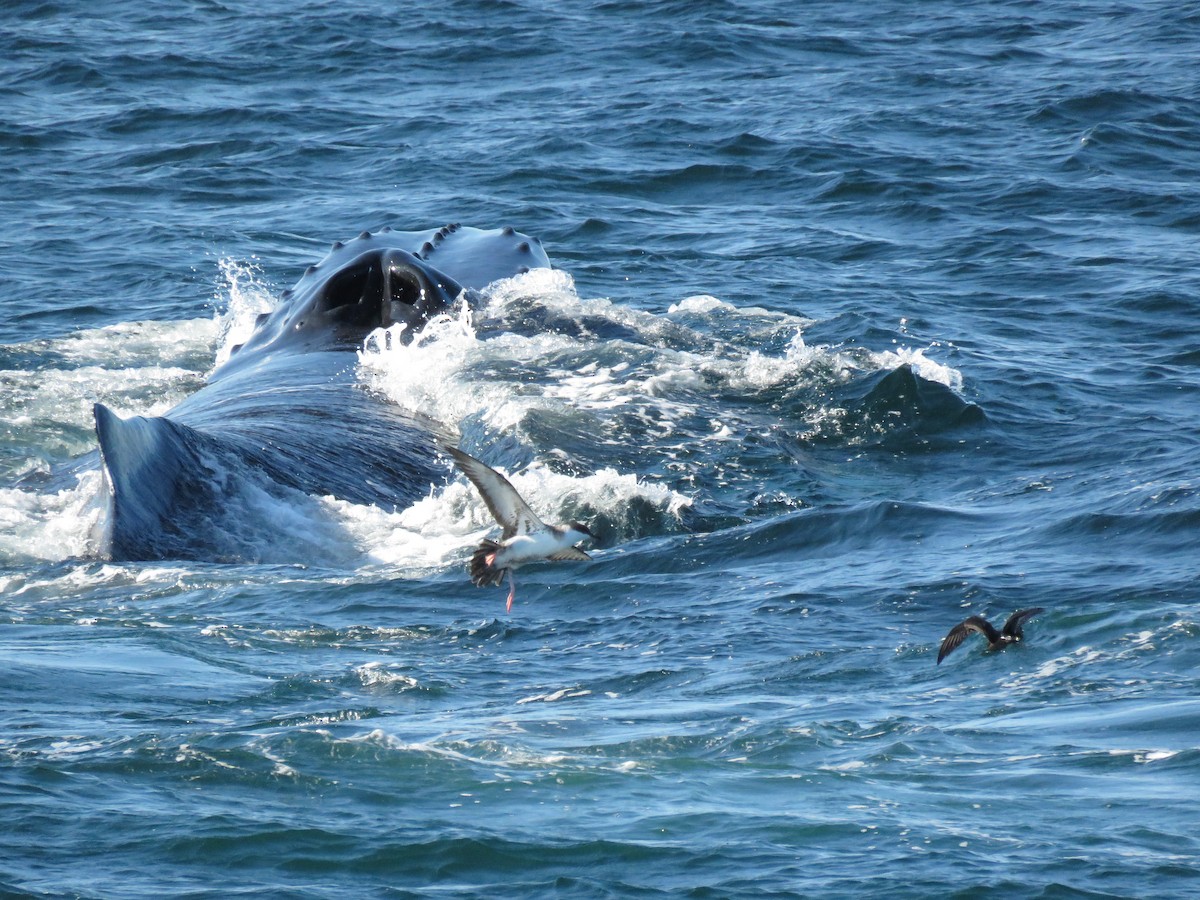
(571, 554)
(958, 634)
(505, 504)
(1012, 628)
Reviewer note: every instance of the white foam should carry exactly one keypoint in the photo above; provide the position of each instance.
(374, 674)
(245, 295)
(52, 526)
(555, 696)
(850, 766)
(442, 528)
(700, 304)
(128, 345)
(659, 374)
(72, 745)
(427, 374)
(707, 305)
(1156, 755)
(134, 367)
(506, 760)
(921, 365)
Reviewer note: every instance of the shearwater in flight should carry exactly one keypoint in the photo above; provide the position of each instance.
(1009, 634)
(525, 538)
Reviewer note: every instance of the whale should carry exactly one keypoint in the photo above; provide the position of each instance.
(287, 414)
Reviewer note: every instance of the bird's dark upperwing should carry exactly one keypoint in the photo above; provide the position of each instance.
(1012, 628)
(570, 554)
(973, 624)
(505, 504)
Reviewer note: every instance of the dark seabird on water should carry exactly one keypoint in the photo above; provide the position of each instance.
(525, 537)
(1011, 633)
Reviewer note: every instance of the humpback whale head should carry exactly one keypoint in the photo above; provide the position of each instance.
(339, 302)
(385, 278)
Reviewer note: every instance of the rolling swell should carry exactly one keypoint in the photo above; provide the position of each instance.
(807, 532)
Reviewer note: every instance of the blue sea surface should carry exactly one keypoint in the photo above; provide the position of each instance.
(866, 317)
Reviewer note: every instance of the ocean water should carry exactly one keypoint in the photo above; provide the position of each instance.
(866, 317)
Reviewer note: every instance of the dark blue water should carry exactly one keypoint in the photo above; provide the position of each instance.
(867, 317)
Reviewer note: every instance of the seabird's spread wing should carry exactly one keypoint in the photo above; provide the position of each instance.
(1012, 628)
(571, 554)
(505, 504)
(973, 624)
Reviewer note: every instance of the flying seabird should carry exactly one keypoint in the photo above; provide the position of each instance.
(1011, 633)
(525, 537)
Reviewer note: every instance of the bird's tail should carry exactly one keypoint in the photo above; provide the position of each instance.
(483, 569)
